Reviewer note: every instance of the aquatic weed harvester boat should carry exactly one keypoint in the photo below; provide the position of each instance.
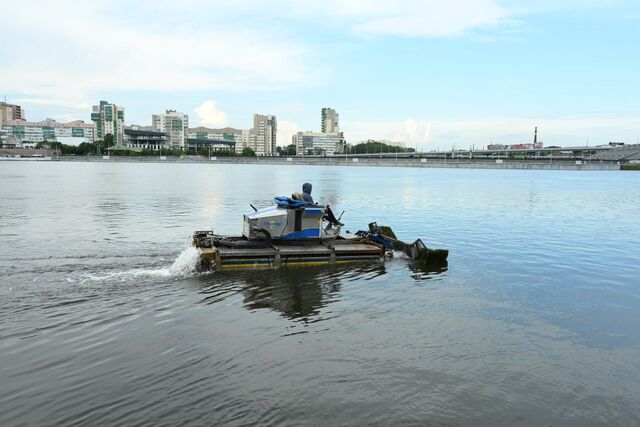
(292, 233)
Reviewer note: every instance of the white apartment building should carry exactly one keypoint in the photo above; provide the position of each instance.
(317, 142)
(263, 138)
(248, 140)
(108, 119)
(329, 121)
(72, 133)
(174, 124)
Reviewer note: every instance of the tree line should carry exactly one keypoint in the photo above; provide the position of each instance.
(98, 148)
(377, 147)
(370, 146)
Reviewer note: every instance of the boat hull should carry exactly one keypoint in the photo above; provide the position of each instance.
(284, 254)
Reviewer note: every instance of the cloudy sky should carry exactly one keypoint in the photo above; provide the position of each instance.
(430, 73)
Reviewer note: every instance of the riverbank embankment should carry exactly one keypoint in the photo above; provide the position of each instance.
(460, 163)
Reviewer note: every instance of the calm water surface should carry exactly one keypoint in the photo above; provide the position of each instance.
(102, 322)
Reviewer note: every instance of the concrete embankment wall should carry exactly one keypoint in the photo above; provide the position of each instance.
(26, 152)
(328, 161)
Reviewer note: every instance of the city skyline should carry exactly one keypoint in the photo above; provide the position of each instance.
(428, 74)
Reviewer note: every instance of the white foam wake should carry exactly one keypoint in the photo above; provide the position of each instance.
(184, 265)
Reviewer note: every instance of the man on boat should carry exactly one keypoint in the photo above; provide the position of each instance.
(306, 196)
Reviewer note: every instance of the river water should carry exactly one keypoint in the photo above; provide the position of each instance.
(536, 321)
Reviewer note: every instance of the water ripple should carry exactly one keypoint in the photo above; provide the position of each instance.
(103, 320)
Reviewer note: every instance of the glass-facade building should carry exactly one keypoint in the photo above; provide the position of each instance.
(308, 143)
(50, 130)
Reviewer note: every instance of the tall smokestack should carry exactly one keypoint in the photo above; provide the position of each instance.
(535, 136)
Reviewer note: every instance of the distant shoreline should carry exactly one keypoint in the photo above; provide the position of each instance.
(460, 163)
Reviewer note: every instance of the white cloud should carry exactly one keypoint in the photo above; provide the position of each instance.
(409, 132)
(91, 48)
(67, 117)
(209, 115)
(94, 48)
(101, 49)
(444, 134)
(408, 18)
(562, 130)
(78, 105)
(434, 18)
(286, 129)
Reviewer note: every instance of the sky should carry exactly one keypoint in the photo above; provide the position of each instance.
(431, 74)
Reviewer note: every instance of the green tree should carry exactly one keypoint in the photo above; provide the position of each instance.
(248, 152)
(223, 153)
(373, 147)
(108, 140)
(86, 148)
(64, 149)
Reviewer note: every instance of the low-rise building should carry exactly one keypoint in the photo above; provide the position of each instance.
(72, 133)
(523, 146)
(206, 145)
(145, 137)
(223, 134)
(318, 142)
(4, 139)
(261, 138)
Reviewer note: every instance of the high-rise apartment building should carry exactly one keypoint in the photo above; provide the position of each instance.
(329, 122)
(108, 119)
(263, 139)
(173, 123)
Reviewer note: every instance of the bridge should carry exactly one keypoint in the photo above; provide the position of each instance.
(610, 153)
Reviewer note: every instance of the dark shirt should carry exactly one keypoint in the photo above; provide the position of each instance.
(307, 197)
(306, 192)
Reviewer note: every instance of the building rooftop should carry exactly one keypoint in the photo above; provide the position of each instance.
(200, 141)
(213, 130)
(141, 132)
(49, 123)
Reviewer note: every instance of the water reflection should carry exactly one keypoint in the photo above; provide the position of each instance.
(425, 271)
(301, 293)
(296, 293)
